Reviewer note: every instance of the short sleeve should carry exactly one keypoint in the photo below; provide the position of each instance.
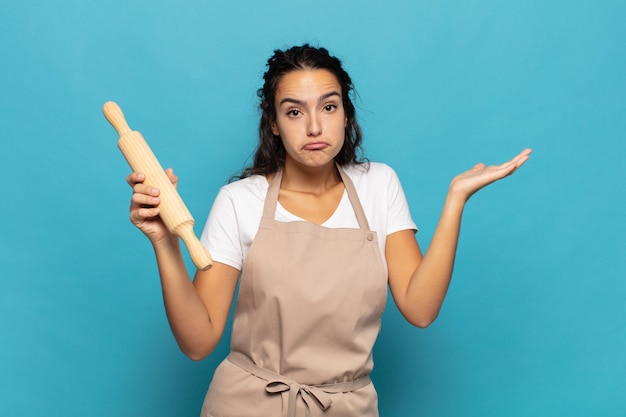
(398, 212)
(221, 232)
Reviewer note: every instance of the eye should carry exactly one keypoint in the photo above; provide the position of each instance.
(330, 107)
(293, 113)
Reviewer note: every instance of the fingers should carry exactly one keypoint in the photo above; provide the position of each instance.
(145, 199)
(144, 203)
(467, 183)
(139, 177)
(140, 215)
(523, 157)
(135, 178)
(145, 195)
(170, 174)
(519, 160)
(526, 151)
(478, 167)
(507, 167)
(145, 213)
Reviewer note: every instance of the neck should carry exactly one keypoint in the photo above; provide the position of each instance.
(315, 180)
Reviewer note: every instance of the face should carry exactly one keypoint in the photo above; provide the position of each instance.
(310, 117)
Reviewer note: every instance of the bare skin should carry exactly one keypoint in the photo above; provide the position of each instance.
(419, 283)
(310, 120)
(197, 311)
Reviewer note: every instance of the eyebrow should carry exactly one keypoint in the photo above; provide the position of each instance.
(300, 102)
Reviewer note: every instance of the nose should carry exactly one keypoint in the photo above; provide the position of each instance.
(314, 125)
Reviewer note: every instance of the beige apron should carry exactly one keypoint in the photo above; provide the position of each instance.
(308, 313)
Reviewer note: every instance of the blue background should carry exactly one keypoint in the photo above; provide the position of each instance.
(534, 323)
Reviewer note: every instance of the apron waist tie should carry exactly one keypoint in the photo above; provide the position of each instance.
(278, 384)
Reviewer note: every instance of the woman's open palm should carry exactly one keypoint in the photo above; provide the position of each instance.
(467, 183)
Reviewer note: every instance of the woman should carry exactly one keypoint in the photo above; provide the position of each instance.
(316, 235)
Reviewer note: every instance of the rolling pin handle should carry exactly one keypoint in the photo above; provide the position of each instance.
(115, 116)
(199, 254)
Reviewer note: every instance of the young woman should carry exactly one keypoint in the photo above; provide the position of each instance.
(315, 235)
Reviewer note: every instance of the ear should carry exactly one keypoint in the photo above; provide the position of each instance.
(274, 128)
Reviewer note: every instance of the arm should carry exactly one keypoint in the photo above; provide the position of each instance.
(197, 312)
(419, 283)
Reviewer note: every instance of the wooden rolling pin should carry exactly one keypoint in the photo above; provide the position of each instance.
(173, 211)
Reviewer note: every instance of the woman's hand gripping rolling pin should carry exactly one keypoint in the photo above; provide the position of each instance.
(144, 208)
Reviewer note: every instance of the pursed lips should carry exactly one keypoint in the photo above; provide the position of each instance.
(314, 146)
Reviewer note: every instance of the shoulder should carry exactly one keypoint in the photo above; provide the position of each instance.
(375, 182)
(234, 220)
(253, 187)
(382, 197)
(371, 173)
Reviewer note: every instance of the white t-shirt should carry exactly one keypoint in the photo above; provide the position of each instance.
(236, 213)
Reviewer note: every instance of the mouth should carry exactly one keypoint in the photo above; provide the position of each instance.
(315, 146)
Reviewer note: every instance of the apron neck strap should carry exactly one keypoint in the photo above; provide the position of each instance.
(271, 200)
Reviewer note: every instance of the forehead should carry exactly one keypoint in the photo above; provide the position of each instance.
(307, 83)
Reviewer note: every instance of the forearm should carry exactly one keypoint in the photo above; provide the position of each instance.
(430, 281)
(419, 284)
(186, 313)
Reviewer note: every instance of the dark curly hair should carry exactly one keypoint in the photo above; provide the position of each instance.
(269, 156)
